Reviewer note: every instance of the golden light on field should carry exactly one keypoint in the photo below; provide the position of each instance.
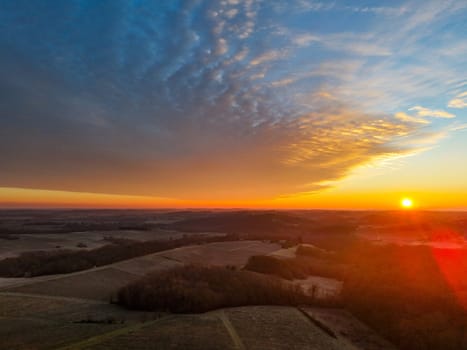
(407, 203)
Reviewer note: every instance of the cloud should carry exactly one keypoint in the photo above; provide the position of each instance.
(222, 47)
(459, 127)
(411, 119)
(339, 138)
(318, 6)
(387, 11)
(231, 13)
(421, 114)
(356, 44)
(283, 82)
(460, 101)
(306, 39)
(434, 113)
(205, 99)
(397, 67)
(267, 57)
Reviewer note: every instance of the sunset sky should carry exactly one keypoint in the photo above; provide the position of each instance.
(233, 103)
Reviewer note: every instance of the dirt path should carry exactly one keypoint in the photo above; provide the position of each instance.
(231, 329)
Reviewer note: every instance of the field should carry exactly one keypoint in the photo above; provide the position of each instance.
(72, 310)
(341, 322)
(62, 323)
(52, 322)
(102, 282)
(22, 231)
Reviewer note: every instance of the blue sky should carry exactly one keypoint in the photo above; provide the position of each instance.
(233, 98)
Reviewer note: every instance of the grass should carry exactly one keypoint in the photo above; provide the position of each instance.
(313, 251)
(40, 263)
(293, 268)
(94, 284)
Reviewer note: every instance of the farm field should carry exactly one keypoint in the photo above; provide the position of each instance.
(29, 230)
(221, 253)
(102, 282)
(324, 287)
(52, 323)
(94, 285)
(62, 323)
(343, 324)
(74, 310)
(77, 240)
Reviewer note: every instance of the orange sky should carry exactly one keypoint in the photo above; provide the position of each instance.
(331, 107)
(330, 199)
(434, 179)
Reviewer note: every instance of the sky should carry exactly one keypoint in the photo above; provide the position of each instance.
(233, 103)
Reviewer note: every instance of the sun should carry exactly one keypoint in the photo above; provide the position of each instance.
(407, 203)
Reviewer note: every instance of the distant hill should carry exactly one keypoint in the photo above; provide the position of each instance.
(267, 224)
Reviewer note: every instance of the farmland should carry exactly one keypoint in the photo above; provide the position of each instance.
(308, 250)
(78, 324)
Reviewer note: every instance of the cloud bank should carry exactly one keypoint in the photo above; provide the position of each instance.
(207, 99)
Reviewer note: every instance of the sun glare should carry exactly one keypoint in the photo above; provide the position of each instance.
(407, 203)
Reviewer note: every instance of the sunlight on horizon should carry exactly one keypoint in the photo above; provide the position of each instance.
(407, 203)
